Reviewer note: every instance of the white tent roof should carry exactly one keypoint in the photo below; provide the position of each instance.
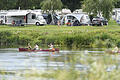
(17, 13)
(66, 11)
(78, 16)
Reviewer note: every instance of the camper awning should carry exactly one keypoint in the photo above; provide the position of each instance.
(77, 16)
(19, 13)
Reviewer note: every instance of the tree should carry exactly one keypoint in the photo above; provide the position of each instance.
(51, 6)
(36, 4)
(72, 4)
(106, 9)
(7, 4)
(24, 4)
(103, 7)
(117, 3)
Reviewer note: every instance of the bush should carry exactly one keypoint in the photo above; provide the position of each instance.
(103, 36)
(24, 40)
(4, 35)
(72, 37)
(118, 42)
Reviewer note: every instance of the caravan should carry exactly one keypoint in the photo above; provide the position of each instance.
(3, 17)
(25, 17)
(75, 19)
(116, 15)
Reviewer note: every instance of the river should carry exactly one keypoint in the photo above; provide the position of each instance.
(12, 61)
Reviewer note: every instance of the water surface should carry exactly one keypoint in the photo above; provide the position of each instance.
(12, 61)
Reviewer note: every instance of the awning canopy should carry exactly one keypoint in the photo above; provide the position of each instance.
(77, 16)
(18, 13)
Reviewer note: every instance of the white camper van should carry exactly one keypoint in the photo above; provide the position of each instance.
(25, 17)
(75, 19)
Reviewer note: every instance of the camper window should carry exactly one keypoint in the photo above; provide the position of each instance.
(40, 17)
(87, 17)
(118, 11)
(71, 17)
(1, 16)
(33, 16)
(119, 17)
(113, 13)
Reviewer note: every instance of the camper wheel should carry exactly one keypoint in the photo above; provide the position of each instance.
(37, 23)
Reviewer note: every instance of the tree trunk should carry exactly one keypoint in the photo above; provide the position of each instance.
(52, 22)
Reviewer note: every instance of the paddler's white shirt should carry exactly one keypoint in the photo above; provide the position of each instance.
(115, 49)
(36, 47)
(51, 46)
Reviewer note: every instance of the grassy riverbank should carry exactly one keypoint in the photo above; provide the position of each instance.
(73, 37)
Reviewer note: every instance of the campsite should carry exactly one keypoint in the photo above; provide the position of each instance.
(59, 40)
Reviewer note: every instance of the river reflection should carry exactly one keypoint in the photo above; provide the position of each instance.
(13, 61)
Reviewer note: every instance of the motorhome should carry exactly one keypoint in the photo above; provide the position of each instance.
(75, 19)
(25, 17)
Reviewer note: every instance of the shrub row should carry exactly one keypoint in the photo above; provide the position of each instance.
(71, 40)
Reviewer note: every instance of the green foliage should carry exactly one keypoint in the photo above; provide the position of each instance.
(99, 6)
(109, 43)
(24, 40)
(112, 23)
(26, 4)
(37, 4)
(79, 41)
(107, 6)
(72, 4)
(117, 2)
(12, 40)
(4, 35)
(103, 36)
(103, 44)
(7, 4)
(71, 37)
(98, 43)
(51, 5)
(104, 40)
(118, 42)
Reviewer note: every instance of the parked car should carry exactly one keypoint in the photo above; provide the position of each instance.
(99, 21)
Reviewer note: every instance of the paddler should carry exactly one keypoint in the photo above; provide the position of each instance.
(29, 46)
(36, 47)
(51, 47)
(115, 50)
